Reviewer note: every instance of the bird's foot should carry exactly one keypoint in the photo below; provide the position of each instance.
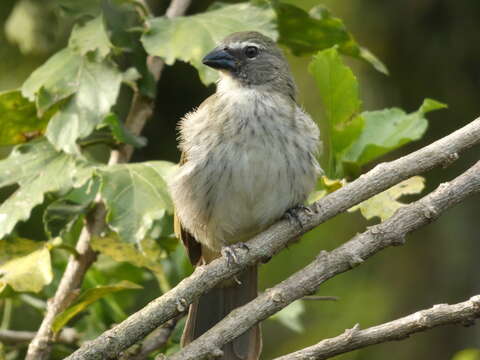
(292, 214)
(230, 252)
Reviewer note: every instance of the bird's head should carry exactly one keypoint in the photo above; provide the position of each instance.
(252, 59)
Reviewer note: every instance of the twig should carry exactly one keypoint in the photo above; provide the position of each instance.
(352, 339)
(271, 241)
(321, 298)
(329, 264)
(67, 336)
(157, 339)
(140, 110)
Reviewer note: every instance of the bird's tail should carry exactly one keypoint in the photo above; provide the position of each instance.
(213, 306)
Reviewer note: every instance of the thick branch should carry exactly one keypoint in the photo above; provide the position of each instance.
(141, 109)
(270, 242)
(352, 339)
(329, 264)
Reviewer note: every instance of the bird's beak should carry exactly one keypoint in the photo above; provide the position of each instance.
(221, 60)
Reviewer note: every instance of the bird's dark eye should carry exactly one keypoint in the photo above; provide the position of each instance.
(251, 51)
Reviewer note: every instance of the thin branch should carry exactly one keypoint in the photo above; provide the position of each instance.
(141, 109)
(40, 347)
(464, 313)
(67, 336)
(156, 340)
(177, 8)
(320, 298)
(329, 264)
(274, 239)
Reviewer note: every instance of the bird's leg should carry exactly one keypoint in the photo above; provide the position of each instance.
(230, 252)
(292, 214)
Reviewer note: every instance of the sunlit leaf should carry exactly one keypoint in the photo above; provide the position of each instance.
(173, 39)
(147, 255)
(38, 169)
(90, 37)
(306, 33)
(24, 265)
(467, 354)
(385, 204)
(386, 130)
(324, 187)
(136, 196)
(290, 316)
(92, 87)
(87, 298)
(19, 119)
(35, 26)
(339, 92)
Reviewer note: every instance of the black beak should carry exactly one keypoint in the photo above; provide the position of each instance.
(220, 59)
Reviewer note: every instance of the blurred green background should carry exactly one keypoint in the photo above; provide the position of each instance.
(431, 49)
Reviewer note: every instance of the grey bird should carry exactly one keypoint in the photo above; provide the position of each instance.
(248, 156)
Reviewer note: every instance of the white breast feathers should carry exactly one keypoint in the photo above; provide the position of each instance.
(250, 156)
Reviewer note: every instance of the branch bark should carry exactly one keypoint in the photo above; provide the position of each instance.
(270, 242)
(67, 336)
(140, 111)
(329, 264)
(464, 313)
(157, 339)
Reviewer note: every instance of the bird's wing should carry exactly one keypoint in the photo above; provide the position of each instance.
(194, 248)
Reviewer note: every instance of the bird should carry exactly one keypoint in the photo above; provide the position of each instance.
(249, 156)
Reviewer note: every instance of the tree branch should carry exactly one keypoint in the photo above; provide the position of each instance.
(67, 336)
(271, 241)
(141, 109)
(329, 264)
(157, 339)
(352, 339)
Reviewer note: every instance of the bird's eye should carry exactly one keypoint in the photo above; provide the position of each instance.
(251, 51)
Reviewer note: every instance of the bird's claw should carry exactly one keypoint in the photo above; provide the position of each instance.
(230, 252)
(292, 214)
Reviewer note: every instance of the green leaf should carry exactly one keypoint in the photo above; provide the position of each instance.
(91, 37)
(87, 298)
(38, 169)
(136, 196)
(388, 129)
(148, 254)
(93, 87)
(173, 39)
(339, 92)
(306, 33)
(385, 204)
(290, 316)
(19, 119)
(80, 8)
(35, 26)
(467, 354)
(55, 80)
(121, 134)
(61, 214)
(24, 265)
